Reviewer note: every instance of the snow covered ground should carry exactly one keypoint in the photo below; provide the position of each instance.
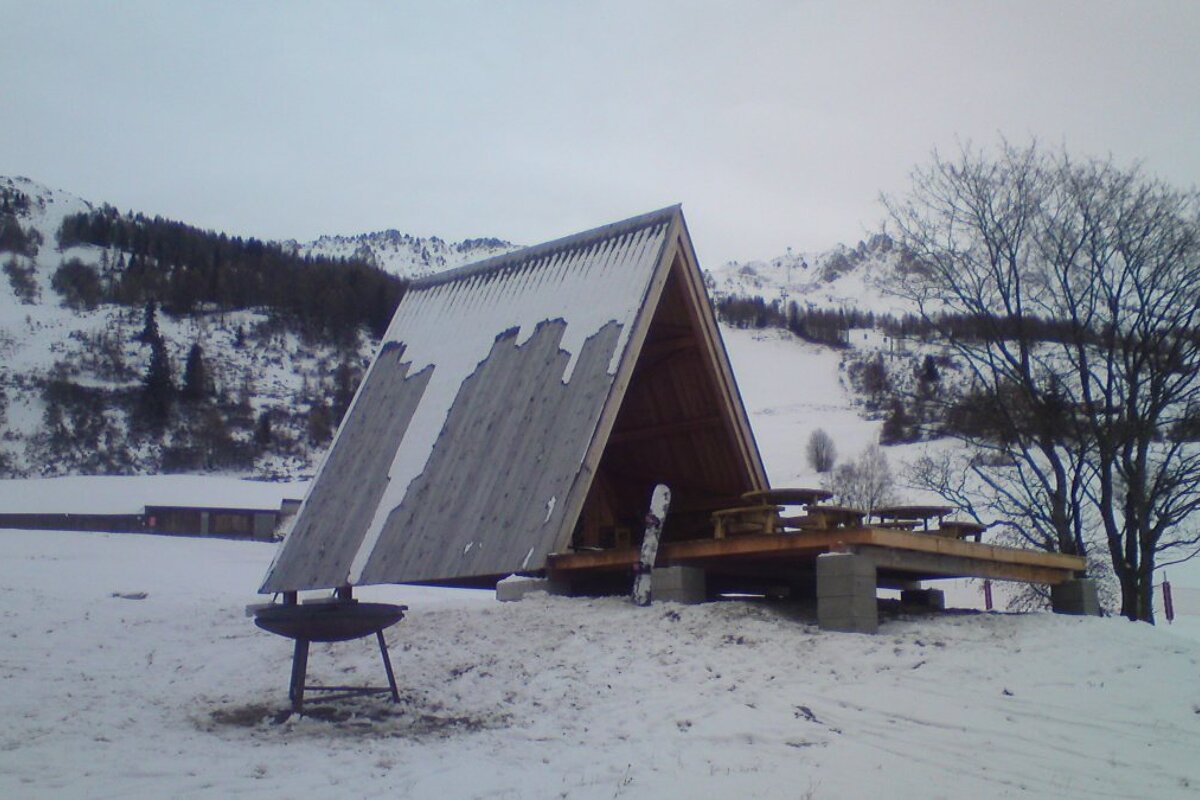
(179, 695)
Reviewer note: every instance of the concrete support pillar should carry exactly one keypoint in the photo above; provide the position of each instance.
(1077, 597)
(846, 593)
(678, 585)
(515, 587)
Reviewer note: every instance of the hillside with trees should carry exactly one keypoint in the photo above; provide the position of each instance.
(184, 269)
(133, 343)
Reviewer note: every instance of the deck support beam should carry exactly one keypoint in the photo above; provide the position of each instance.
(947, 565)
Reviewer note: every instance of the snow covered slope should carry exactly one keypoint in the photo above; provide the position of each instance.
(790, 389)
(405, 255)
(247, 356)
(842, 278)
(179, 695)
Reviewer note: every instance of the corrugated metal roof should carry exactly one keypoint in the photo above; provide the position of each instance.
(464, 444)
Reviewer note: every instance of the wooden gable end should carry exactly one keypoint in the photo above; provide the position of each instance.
(679, 420)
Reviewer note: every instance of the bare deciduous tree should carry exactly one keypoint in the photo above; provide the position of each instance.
(864, 483)
(1085, 282)
(821, 451)
(1011, 510)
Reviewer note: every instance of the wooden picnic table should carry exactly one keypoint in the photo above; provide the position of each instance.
(911, 513)
(762, 518)
(896, 525)
(960, 529)
(788, 496)
(826, 517)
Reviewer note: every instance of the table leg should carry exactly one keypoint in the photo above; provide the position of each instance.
(387, 665)
(299, 671)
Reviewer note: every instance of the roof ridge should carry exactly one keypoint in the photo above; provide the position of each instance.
(576, 240)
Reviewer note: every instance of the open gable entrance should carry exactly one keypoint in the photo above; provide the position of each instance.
(680, 423)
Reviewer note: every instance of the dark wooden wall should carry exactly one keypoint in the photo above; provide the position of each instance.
(673, 428)
(112, 523)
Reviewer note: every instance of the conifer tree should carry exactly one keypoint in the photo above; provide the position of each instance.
(262, 431)
(158, 387)
(345, 385)
(150, 333)
(195, 376)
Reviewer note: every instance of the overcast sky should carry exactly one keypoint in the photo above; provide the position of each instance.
(776, 124)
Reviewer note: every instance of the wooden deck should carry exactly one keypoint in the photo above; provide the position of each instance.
(900, 556)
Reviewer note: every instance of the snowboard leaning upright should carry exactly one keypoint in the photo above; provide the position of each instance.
(659, 503)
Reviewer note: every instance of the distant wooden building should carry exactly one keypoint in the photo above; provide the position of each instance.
(115, 505)
(249, 523)
(39, 521)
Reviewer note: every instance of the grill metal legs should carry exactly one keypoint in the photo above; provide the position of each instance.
(296, 686)
(387, 665)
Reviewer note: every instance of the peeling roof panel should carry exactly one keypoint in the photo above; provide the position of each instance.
(472, 424)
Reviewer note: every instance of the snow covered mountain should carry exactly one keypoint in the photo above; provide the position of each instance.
(843, 278)
(403, 254)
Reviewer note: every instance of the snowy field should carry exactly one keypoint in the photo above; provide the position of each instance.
(177, 694)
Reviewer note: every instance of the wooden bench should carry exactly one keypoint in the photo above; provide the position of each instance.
(823, 518)
(802, 522)
(895, 525)
(745, 519)
(960, 529)
(917, 514)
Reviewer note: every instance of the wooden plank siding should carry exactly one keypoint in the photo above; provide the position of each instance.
(247, 523)
(109, 523)
(340, 504)
(485, 511)
(676, 425)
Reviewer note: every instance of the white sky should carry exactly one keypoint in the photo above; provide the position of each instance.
(776, 124)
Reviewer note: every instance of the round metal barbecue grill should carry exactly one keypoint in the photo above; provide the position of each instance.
(338, 619)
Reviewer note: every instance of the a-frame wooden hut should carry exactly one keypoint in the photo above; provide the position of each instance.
(527, 405)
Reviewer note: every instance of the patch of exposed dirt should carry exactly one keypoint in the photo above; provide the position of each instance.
(411, 718)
